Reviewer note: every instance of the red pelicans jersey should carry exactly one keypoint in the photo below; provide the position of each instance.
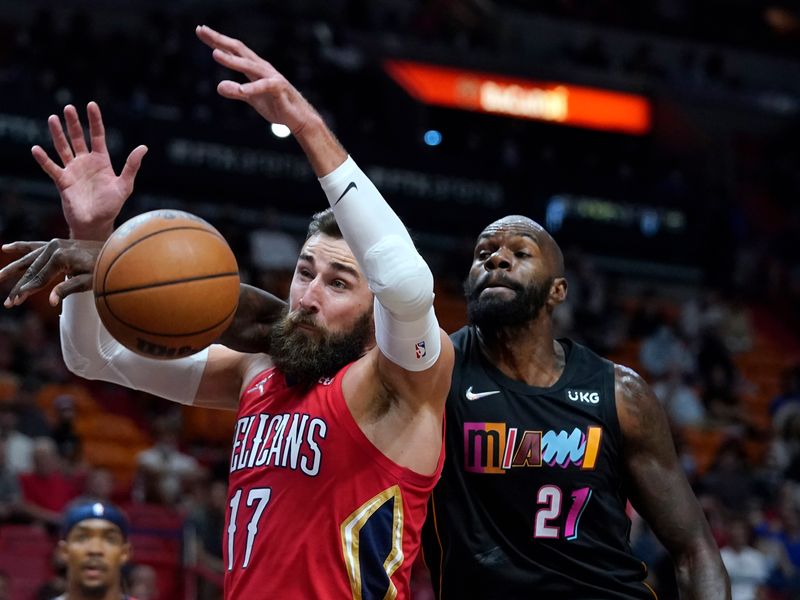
(315, 510)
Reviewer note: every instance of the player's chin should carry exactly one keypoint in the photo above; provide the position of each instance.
(94, 578)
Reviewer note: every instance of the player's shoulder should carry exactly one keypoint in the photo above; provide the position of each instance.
(628, 383)
(638, 409)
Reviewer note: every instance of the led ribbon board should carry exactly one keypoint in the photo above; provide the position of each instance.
(542, 101)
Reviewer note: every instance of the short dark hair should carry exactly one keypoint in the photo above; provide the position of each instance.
(324, 222)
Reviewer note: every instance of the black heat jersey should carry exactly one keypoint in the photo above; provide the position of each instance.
(531, 503)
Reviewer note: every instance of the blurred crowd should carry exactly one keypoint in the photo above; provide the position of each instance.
(732, 394)
(721, 351)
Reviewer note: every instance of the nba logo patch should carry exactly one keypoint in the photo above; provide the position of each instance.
(419, 348)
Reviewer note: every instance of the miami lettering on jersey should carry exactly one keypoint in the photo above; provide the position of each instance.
(494, 448)
(288, 440)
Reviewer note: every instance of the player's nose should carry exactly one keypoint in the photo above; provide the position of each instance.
(499, 259)
(310, 301)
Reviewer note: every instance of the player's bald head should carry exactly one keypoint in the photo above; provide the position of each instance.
(521, 225)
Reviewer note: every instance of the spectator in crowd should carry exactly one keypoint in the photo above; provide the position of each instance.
(683, 405)
(778, 536)
(46, 490)
(207, 523)
(731, 479)
(19, 447)
(663, 351)
(647, 317)
(30, 421)
(787, 402)
(143, 582)
(10, 495)
(63, 431)
(98, 487)
(736, 329)
(747, 566)
(165, 471)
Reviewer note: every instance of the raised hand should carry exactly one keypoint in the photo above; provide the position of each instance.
(91, 193)
(268, 91)
(275, 99)
(45, 262)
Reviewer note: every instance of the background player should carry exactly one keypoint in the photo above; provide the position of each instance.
(94, 547)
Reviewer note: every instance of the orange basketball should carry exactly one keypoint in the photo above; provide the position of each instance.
(166, 284)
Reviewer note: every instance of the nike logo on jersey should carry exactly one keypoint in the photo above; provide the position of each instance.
(350, 186)
(477, 395)
(260, 384)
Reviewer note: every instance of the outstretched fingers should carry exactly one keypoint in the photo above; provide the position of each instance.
(245, 91)
(73, 285)
(215, 39)
(19, 266)
(22, 247)
(48, 166)
(75, 130)
(60, 143)
(97, 131)
(45, 267)
(132, 165)
(252, 69)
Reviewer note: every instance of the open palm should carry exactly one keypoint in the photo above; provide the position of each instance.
(92, 195)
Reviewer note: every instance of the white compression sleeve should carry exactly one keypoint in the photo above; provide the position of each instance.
(406, 328)
(91, 352)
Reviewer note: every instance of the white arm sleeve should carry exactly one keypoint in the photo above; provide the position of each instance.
(406, 328)
(91, 352)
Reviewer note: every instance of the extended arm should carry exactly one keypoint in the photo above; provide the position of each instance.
(210, 378)
(407, 332)
(660, 492)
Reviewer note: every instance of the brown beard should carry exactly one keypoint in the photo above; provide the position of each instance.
(304, 358)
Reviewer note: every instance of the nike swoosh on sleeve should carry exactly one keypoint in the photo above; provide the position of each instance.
(349, 187)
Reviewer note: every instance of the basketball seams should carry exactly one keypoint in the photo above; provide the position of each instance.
(166, 283)
(147, 311)
(169, 335)
(148, 236)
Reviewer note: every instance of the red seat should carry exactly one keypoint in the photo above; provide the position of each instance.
(22, 532)
(147, 518)
(24, 540)
(26, 575)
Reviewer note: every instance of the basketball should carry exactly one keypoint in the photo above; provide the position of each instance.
(166, 284)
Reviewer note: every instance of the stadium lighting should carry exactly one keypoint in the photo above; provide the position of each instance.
(432, 137)
(280, 131)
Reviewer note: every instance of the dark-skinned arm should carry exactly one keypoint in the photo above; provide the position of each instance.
(44, 263)
(661, 493)
(249, 330)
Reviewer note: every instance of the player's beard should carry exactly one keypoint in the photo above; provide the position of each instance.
(492, 313)
(305, 358)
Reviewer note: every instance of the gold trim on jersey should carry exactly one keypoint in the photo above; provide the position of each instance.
(351, 528)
